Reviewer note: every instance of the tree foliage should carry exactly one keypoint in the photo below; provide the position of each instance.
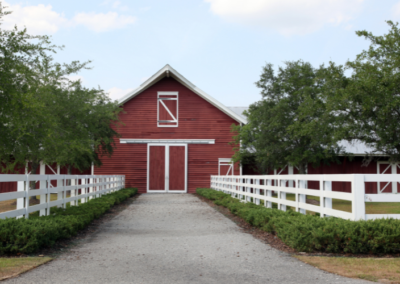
(370, 104)
(305, 113)
(45, 116)
(288, 125)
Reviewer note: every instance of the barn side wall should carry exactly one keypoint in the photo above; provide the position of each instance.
(198, 119)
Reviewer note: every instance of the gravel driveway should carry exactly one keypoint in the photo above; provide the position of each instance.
(174, 238)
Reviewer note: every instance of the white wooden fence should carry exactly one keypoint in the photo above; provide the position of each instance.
(91, 186)
(261, 188)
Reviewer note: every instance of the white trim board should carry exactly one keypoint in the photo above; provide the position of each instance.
(167, 71)
(167, 141)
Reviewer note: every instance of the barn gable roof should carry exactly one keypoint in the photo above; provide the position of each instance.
(167, 71)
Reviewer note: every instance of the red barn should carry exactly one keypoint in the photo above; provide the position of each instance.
(173, 138)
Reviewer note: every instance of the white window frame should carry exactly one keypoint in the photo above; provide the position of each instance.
(225, 162)
(392, 168)
(160, 100)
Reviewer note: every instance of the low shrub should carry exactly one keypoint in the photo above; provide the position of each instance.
(311, 233)
(27, 236)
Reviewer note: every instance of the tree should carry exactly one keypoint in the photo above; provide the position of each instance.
(370, 103)
(45, 116)
(88, 126)
(18, 51)
(289, 125)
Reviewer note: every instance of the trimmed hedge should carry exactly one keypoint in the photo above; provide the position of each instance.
(311, 233)
(29, 235)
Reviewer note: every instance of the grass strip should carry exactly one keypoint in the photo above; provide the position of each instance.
(384, 270)
(27, 236)
(11, 267)
(310, 233)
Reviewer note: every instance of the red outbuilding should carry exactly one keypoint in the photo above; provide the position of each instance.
(173, 137)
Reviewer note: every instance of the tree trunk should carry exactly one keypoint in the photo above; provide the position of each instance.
(302, 169)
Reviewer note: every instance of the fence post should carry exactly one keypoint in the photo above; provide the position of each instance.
(358, 202)
(48, 196)
(27, 197)
(20, 201)
(98, 186)
(72, 191)
(302, 197)
(59, 183)
(83, 189)
(248, 198)
(91, 187)
(282, 195)
(321, 197)
(268, 192)
(64, 192)
(42, 185)
(256, 190)
(328, 201)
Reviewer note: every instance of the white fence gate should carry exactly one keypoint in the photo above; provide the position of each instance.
(90, 185)
(261, 188)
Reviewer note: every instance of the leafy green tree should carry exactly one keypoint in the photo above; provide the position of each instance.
(45, 116)
(369, 106)
(18, 52)
(88, 125)
(289, 125)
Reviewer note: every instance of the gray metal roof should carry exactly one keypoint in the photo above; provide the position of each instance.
(357, 147)
(239, 111)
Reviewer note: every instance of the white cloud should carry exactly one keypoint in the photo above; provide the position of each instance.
(38, 19)
(396, 9)
(145, 9)
(118, 5)
(115, 5)
(100, 22)
(42, 19)
(117, 93)
(288, 17)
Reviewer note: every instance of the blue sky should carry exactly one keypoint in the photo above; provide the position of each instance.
(219, 45)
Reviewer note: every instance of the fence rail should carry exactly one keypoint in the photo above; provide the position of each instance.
(273, 189)
(90, 186)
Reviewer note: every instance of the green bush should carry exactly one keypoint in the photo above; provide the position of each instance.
(311, 233)
(29, 235)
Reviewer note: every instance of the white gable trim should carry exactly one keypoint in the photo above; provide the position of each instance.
(169, 71)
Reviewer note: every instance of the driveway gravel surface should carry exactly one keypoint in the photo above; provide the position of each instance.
(174, 238)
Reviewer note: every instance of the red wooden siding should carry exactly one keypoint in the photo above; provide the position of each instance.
(198, 119)
(225, 170)
(176, 168)
(157, 168)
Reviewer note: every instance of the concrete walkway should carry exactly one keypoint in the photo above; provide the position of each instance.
(174, 238)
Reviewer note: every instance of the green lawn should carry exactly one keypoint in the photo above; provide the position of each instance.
(11, 267)
(383, 270)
